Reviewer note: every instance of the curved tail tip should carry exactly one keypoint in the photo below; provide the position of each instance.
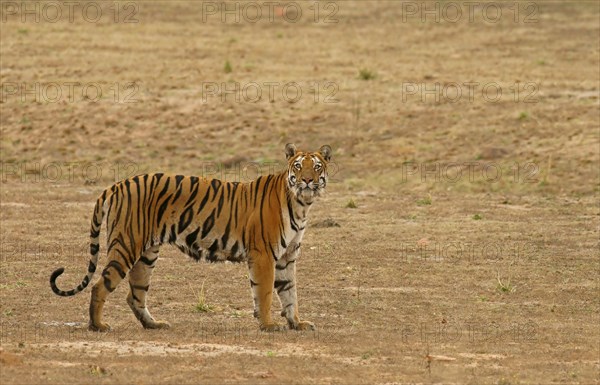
(56, 274)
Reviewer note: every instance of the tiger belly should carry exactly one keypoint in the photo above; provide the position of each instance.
(211, 251)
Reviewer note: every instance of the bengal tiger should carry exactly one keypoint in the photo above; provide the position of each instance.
(261, 222)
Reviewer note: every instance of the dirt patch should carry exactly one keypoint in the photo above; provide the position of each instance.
(457, 241)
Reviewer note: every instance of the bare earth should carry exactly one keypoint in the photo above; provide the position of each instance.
(458, 241)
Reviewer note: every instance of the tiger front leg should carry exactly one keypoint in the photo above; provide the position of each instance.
(285, 284)
(262, 277)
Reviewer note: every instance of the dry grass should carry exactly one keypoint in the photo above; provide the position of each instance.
(454, 204)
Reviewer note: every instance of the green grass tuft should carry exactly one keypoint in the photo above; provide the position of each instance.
(366, 74)
(228, 68)
(424, 201)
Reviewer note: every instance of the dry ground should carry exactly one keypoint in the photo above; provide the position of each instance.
(431, 278)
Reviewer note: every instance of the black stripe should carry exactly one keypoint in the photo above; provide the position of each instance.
(235, 200)
(220, 205)
(91, 267)
(291, 214)
(234, 249)
(186, 219)
(124, 258)
(225, 236)
(273, 252)
(161, 210)
(99, 204)
(283, 311)
(212, 251)
(283, 285)
(252, 283)
(135, 298)
(191, 237)
(136, 180)
(107, 285)
(129, 206)
(146, 261)
(163, 206)
(208, 224)
(216, 184)
(278, 267)
(204, 200)
(117, 267)
(173, 234)
(194, 188)
(262, 203)
(94, 247)
(177, 194)
(256, 188)
(194, 252)
(286, 288)
(243, 237)
(178, 179)
(95, 233)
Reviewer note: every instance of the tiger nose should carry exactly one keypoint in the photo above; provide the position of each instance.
(307, 180)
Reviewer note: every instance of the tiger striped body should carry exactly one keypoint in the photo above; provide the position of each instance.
(261, 223)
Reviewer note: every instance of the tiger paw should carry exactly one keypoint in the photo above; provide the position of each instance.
(101, 327)
(303, 325)
(157, 325)
(270, 327)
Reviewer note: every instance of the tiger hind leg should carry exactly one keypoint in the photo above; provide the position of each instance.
(113, 273)
(139, 283)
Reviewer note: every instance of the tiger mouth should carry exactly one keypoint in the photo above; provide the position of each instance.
(302, 190)
(308, 194)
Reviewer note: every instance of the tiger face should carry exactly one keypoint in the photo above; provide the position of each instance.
(307, 172)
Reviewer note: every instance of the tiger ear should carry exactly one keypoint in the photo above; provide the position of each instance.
(326, 152)
(290, 150)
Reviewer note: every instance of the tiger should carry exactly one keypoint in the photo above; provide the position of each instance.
(261, 223)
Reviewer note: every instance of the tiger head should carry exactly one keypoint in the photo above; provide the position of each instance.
(307, 172)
